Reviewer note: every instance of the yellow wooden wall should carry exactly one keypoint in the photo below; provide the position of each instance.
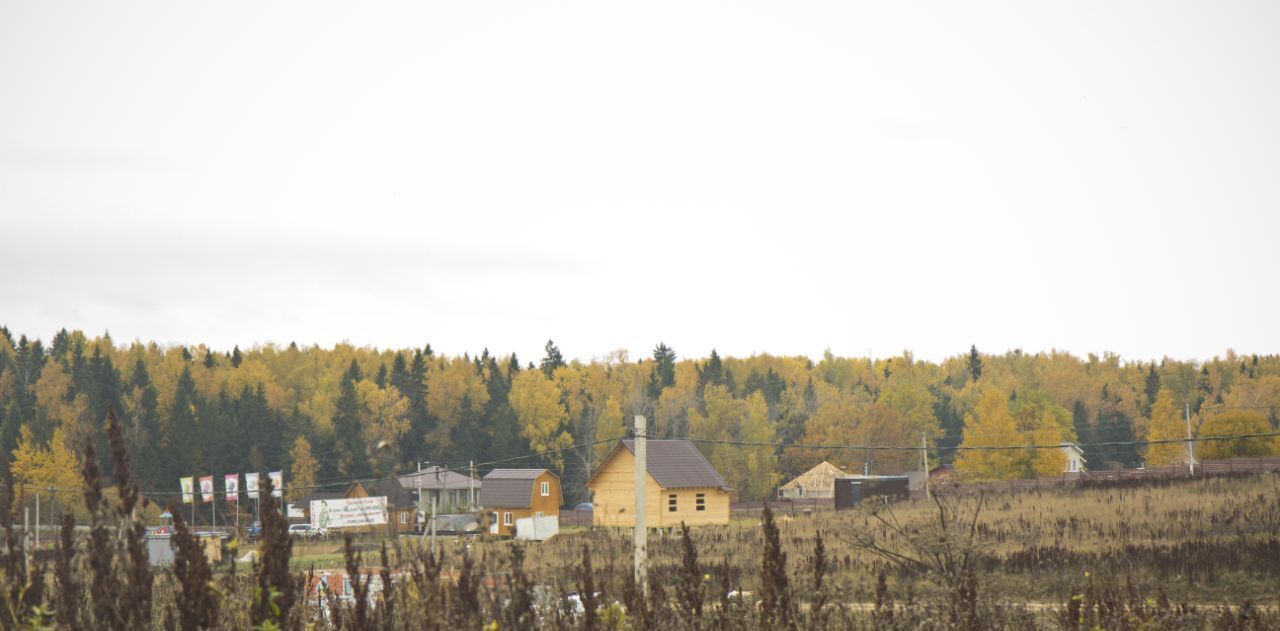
(614, 499)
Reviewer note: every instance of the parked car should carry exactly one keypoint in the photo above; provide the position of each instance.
(302, 530)
(583, 506)
(255, 531)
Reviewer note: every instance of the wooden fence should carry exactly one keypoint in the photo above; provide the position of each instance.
(1203, 468)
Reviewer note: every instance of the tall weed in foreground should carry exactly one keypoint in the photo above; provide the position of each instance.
(276, 589)
(101, 580)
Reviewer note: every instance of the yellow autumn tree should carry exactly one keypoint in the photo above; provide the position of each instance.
(608, 425)
(51, 396)
(1045, 462)
(1166, 424)
(989, 425)
(52, 471)
(750, 470)
(879, 426)
(1236, 423)
(385, 416)
(302, 471)
(454, 391)
(832, 423)
(543, 420)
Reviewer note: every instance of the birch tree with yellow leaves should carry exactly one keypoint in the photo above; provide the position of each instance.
(543, 419)
(989, 425)
(53, 470)
(1166, 424)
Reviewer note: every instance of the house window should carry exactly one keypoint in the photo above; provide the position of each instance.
(671, 503)
(546, 489)
(538, 514)
(701, 501)
(506, 519)
(404, 518)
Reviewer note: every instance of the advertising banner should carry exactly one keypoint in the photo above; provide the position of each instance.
(251, 484)
(231, 483)
(277, 483)
(356, 511)
(206, 488)
(187, 489)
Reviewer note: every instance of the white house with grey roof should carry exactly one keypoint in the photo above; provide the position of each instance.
(451, 491)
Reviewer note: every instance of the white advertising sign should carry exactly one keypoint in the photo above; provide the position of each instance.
(251, 484)
(356, 511)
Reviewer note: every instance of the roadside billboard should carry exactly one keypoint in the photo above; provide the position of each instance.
(348, 513)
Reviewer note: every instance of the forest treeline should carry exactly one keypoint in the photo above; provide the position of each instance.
(330, 414)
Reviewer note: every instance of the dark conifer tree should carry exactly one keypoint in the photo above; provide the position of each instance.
(1113, 426)
(181, 452)
(552, 360)
(975, 363)
(951, 422)
(399, 376)
(380, 377)
(348, 440)
(663, 375)
(1152, 388)
(144, 427)
(504, 440)
(712, 371)
(209, 360)
(1080, 422)
(354, 374)
(411, 381)
(236, 357)
(60, 345)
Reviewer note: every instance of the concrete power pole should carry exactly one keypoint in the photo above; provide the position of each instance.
(640, 539)
(1191, 453)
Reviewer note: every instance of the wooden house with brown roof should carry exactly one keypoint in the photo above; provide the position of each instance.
(510, 494)
(682, 486)
(401, 508)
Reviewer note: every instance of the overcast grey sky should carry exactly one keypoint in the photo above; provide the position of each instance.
(775, 177)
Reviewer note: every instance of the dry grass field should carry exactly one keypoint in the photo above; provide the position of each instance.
(1210, 540)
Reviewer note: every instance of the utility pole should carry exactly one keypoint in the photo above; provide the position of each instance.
(26, 537)
(37, 521)
(1191, 453)
(433, 523)
(471, 488)
(924, 463)
(640, 538)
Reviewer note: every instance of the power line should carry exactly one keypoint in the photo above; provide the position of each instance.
(709, 441)
(978, 447)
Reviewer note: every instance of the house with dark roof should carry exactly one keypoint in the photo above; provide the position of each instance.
(511, 494)
(401, 509)
(681, 486)
(451, 491)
